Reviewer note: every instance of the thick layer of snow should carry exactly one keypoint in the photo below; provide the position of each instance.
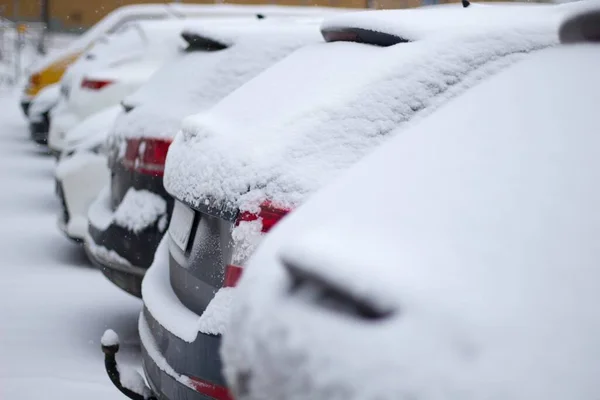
(93, 131)
(113, 21)
(133, 380)
(420, 23)
(139, 210)
(268, 10)
(54, 306)
(483, 241)
(68, 165)
(100, 214)
(216, 316)
(281, 138)
(197, 80)
(109, 338)
(117, 18)
(43, 102)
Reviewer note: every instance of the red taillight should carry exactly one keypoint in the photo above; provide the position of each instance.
(232, 275)
(94, 84)
(269, 214)
(146, 156)
(35, 80)
(209, 389)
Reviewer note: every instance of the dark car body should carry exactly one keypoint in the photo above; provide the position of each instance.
(136, 247)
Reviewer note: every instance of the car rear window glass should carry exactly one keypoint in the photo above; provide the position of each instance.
(198, 42)
(359, 35)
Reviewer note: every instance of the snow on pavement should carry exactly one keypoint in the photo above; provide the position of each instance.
(54, 307)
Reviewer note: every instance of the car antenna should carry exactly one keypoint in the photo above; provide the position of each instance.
(260, 16)
(466, 3)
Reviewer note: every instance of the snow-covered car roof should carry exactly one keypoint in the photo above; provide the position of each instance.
(109, 24)
(267, 10)
(474, 238)
(196, 80)
(297, 125)
(118, 17)
(135, 40)
(420, 23)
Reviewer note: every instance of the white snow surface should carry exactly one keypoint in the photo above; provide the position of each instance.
(109, 24)
(281, 138)
(216, 316)
(100, 214)
(43, 102)
(137, 12)
(195, 81)
(53, 304)
(109, 338)
(81, 158)
(478, 226)
(133, 380)
(139, 209)
(93, 131)
(423, 22)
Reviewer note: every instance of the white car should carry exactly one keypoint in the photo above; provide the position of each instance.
(461, 260)
(219, 58)
(82, 171)
(237, 168)
(129, 58)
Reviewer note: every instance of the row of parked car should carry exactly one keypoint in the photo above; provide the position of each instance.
(428, 165)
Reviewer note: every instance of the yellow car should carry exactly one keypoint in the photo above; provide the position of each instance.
(49, 75)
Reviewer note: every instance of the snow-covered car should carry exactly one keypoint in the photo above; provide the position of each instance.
(39, 113)
(130, 58)
(129, 218)
(82, 171)
(107, 50)
(50, 69)
(237, 168)
(472, 266)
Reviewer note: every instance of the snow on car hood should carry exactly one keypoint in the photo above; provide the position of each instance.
(198, 79)
(297, 125)
(485, 242)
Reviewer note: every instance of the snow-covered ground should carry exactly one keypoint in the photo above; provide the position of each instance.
(54, 306)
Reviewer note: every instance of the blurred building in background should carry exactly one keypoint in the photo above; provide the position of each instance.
(74, 15)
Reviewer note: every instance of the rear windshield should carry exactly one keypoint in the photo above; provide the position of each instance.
(201, 43)
(359, 35)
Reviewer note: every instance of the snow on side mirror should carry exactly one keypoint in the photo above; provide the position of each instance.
(581, 27)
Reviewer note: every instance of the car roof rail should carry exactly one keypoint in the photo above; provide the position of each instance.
(583, 26)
